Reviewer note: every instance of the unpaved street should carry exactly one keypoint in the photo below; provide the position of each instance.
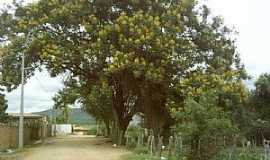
(74, 148)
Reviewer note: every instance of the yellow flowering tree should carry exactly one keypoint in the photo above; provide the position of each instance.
(142, 49)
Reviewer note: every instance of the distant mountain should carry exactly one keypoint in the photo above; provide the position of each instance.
(76, 116)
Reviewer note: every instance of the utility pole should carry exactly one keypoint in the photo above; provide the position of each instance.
(54, 125)
(21, 125)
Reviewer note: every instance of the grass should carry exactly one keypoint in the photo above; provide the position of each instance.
(134, 156)
(241, 154)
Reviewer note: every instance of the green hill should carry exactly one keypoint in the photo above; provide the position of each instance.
(76, 116)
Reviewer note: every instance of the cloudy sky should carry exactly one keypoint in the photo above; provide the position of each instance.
(249, 17)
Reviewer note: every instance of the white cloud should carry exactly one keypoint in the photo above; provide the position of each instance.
(2, 2)
(38, 90)
(250, 18)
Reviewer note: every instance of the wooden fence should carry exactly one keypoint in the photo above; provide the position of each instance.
(176, 148)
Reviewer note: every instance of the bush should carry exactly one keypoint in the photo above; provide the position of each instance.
(92, 130)
(132, 135)
(138, 157)
(141, 150)
(202, 123)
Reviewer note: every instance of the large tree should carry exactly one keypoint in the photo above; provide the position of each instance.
(141, 48)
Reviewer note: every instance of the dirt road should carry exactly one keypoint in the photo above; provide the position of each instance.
(74, 148)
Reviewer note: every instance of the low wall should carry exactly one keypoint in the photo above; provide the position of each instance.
(9, 136)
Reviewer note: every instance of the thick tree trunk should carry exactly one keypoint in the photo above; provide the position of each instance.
(120, 128)
(156, 133)
(123, 125)
(166, 128)
(118, 134)
(154, 108)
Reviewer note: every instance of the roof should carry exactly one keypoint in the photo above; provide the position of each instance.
(25, 115)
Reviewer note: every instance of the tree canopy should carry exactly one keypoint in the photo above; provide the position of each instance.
(150, 54)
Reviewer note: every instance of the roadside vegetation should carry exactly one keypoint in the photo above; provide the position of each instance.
(172, 63)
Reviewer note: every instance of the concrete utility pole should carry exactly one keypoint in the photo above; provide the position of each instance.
(21, 125)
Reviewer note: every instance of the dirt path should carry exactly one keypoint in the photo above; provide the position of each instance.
(74, 148)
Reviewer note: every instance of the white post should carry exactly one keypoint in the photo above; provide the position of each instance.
(22, 106)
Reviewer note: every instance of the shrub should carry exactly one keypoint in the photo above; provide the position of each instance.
(138, 157)
(141, 150)
(201, 124)
(132, 136)
(92, 130)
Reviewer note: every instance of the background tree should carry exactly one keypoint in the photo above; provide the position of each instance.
(65, 98)
(261, 97)
(258, 109)
(99, 104)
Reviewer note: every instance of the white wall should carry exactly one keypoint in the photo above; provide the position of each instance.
(62, 129)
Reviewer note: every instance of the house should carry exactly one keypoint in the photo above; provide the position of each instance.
(35, 128)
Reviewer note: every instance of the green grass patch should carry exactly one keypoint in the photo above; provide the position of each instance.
(134, 156)
(242, 154)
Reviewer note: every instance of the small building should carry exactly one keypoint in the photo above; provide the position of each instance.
(35, 128)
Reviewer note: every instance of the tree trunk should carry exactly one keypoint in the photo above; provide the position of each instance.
(122, 112)
(121, 137)
(114, 132)
(121, 124)
(195, 152)
(108, 129)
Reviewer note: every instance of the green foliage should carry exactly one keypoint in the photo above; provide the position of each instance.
(66, 96)
(258, 109)
(138, 157)
(92, 130)
(241, 154)
(60, 119)
(260, 97)
(141, 150)
(202, 123)
(3, 107)
(140, 50)
(79, 116)
(99, 103)
(133, 132)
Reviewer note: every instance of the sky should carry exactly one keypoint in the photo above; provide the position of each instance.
(249, 17)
